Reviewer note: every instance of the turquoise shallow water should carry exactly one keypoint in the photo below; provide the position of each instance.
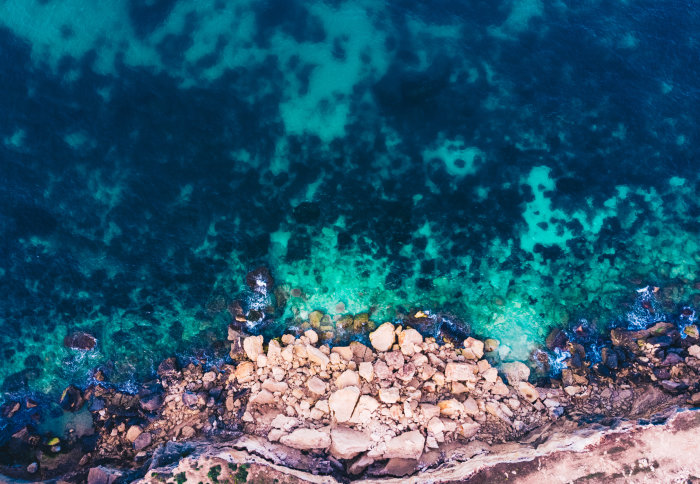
(512, 166)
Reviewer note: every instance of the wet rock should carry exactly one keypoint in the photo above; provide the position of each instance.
(383, 338)
(260, 280)
(609, 358)
(347, 443)
(80, 340)
(491, 345)
(342, 403)
(307, 439)
(515, 372)
(556, 339)
(168, 367)
(408, 445)
(673, 386)
(71, 399)
(10, 409)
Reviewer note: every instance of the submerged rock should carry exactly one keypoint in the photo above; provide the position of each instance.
(80, 340)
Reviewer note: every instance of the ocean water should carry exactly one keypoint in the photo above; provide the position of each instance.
(510, 165)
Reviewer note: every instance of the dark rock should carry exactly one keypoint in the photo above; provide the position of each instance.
(575, 361)
(260, 280)
(189, 399)
(151, 403)
(663, 341)
(609, 358)
(71, 399)
(672, 359)
(673, 387)
(96, 404)
(103, 475)
(80, 340)
(168, 367)
(556, 339)
(143, 441)
(398, 467)
(10, 409)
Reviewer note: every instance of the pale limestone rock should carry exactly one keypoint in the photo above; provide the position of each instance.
(364, 410)
(500, 389)
(287, 339)
(406, 372)
(342, 403)
(491, 375)
(435, 426)
(284, 423)
(262, 360)
(383, 338)
(381, 370)
(288, 354)
(366, 370)
(275, 386)
(274, 351)
(263, 397)
(410, 341)
(471, 407)
(245, 371)
(347, 443)
(312, 335)
(572, 390)
(468, 430)
(515, 372)
(307, 439)
(694, 351)
(394, 359)
(253, 346)
(473, 349)
(451, 408)
(345, 352)
(322, 406)
(460, 372)
(209, 377)
(316, 385)
(429, 410)
(348, 378)
(275, 434)
(316, 356)
(389, 395)
(408, 445)
(133, 433)
(483, 365)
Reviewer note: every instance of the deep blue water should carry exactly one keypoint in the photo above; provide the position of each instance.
(514, 165)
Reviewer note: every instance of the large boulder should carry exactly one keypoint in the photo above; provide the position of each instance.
(253, 347)
(307, 439)
(408, 445)
(342, 403)
(409, 341)
(383, 338)
(347, 443)
(515, 372)
(80, 340)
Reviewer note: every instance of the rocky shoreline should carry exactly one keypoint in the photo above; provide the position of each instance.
(403, 404)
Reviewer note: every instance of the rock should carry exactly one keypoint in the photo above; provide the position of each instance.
(398, 467)
(692, 331)
(406, 372)
(394, 359)
(189, 399)
(556, 339)
(515, 372)
(152, 402)
(471, 407)
(80, 341)
(342, 403)
(382, 370)
(345, 352)
(383, 338)
(245, 371)
(459, 372)
(364, 409)
(694, 351)
(317, 356)
(103, 475)
(260, 280)
(468, 430)
(500, 389)
(348, 378)
(573, 390)
(408, 445)
(490, 345)
(435, 426)
(168, 367)
(274, 352)
(253, 346)
(32, 468)
(316, 385)
(473, 349)
(187, 432)
(307, 439)
(347, 443)
(142, 441)
(359, 466)
(263, 397)
(312, 335)
(389, 395)
(491, 375)
(133, 432)
(409, 339)
(284, 423)
(273, 386)
(366, 370)
(71, 399)
(451, 408)
(528, 391)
